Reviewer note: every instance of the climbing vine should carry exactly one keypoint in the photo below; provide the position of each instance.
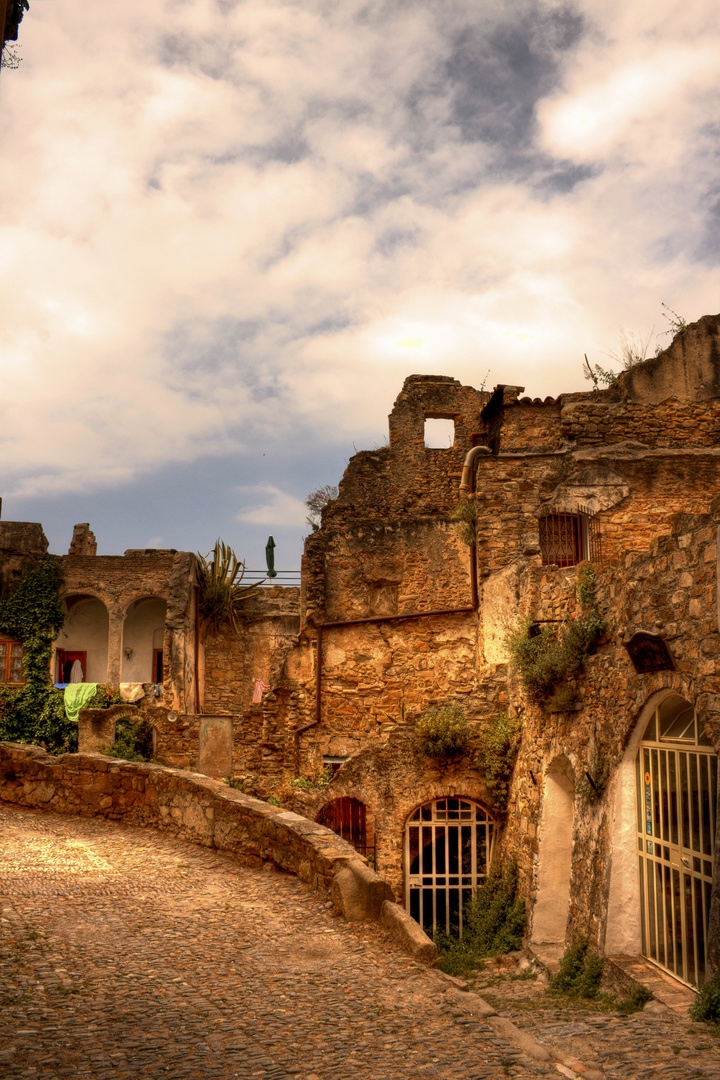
(547, 656)
(33, 615)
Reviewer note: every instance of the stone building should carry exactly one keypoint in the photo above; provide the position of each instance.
(611, 807)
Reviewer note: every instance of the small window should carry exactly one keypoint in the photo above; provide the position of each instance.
(333, 763)
(11, 663)
(439, 433)
(563, 539)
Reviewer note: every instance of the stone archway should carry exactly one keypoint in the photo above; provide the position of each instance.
(448, 852)
(646, 801)
(555, 856)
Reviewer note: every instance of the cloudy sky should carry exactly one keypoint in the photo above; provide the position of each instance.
(230, 228)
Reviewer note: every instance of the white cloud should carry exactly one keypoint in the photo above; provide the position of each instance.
(269, 505)
(224, 223)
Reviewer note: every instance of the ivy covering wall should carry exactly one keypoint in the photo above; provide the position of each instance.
(33, 615)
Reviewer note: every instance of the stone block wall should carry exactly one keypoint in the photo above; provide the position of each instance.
(670, 590)
(208, 813)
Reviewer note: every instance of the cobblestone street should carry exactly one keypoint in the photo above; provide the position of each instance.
(125, 954)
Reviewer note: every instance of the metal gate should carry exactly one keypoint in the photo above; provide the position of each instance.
(676, 784)
(448, 851)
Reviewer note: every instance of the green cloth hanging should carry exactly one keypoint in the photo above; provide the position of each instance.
(76, 695)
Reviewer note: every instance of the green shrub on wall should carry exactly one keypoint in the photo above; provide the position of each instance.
(442, 733)
(497, 749)
(33, 615)
(547, 656)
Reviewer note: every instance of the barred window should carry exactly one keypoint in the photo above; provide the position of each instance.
(11, 663)
(564, 539)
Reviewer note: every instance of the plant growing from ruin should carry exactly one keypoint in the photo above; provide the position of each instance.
(493, 922)
(497, 749)
(222, 595)
(133, 739)
(706, 1006)
(316, 501)
(442, 732)
(580, 971)
(547, 656)
(465, 517)
(677, 323)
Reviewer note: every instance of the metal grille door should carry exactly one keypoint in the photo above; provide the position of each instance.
(448, 850)
(676, 777)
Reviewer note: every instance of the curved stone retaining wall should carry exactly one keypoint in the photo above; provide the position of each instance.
(209, 813)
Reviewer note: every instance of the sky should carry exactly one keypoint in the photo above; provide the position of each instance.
(229, 229)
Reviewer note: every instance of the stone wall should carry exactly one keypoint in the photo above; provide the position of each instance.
(670, 590)
(119, 581)
(208, 813)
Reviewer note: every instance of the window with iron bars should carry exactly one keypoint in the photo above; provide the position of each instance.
(568, 539)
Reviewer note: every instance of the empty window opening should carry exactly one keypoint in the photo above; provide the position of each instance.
(676, 789)
(439, 433)
(333, 763)
(348, 818)
(568, 539)
(448, 851)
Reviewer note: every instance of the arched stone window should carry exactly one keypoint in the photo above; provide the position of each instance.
(448, 851)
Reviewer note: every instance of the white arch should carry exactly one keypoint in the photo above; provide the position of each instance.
(623, 931)
(555, 855)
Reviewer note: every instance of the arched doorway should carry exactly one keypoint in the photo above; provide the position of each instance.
(81, 650)
(676, 797)
(448, 851)
(143, 632)
(555, 854)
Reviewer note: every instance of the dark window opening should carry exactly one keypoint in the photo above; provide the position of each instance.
(157, 666)
(568, 539)
(67, 671)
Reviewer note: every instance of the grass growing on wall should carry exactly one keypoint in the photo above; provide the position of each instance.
(442, 733)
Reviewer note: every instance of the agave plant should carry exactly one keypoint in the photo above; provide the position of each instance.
(220, 574)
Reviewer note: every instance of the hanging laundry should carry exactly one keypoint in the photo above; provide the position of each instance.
(76, 672)
(260, 686)
(76, 696)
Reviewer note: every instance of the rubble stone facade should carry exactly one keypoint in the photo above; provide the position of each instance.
(396, 613)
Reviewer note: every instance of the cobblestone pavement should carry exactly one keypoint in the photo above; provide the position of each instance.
(125, 954)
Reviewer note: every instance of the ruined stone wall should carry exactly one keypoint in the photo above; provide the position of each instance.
(634, 496)
(531, 426)
(392, 779)
(118, 581)
(667, 424)
(208, 813)
(19, 541)
(671, 590)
